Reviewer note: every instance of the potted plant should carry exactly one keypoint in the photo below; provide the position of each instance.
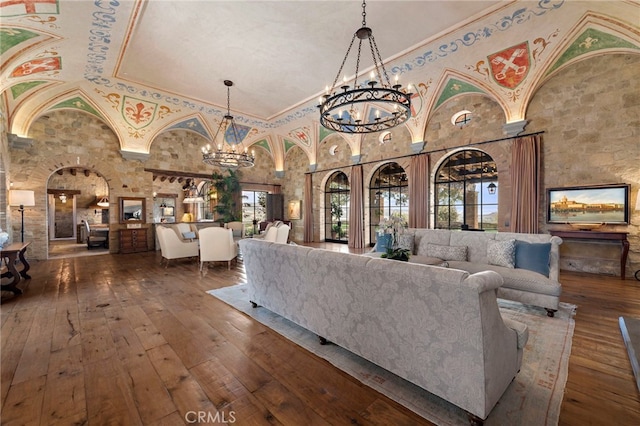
(397, 254)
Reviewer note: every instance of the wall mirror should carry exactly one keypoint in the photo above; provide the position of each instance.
(132, 210)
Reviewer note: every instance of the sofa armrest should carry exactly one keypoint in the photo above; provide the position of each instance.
(485, 280)
(554, 258)
(522, 331)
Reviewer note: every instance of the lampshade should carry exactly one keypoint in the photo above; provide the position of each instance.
(104, 202)
(21, 197)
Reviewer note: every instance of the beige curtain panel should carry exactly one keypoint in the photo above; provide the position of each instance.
(307, 209)
(356, 214)
(419, 191)
(525, 184)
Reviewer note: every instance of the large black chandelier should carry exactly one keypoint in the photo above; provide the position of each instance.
(344, 109)
(230, 152)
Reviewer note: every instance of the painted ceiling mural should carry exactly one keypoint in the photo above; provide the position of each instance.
(50, 61)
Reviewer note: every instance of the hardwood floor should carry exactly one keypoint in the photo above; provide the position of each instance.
(118, 339)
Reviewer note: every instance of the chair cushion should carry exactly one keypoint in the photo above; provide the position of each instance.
(533, 256)
(502, 253)
(237, 233)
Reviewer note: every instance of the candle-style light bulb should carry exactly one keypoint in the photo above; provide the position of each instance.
(377, 113)
(372, 75)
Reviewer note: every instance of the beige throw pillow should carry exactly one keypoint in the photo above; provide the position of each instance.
(458, 253)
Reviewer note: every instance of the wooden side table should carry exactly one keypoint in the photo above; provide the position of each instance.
(11, 253)
(601, 236)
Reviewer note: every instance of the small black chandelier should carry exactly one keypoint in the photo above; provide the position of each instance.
(227, 153)
(390, 106)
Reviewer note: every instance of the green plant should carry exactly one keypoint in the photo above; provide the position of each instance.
(229, 192)
(397, 254)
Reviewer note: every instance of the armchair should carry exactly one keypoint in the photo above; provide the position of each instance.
(271, 235)
(283, 234)
(172, 247)
(217, 245)
(185, 231)
(94, 239)
(237, 228)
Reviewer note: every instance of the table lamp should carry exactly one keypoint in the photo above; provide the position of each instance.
(21, 198)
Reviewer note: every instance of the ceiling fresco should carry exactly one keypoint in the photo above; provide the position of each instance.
(145, 68)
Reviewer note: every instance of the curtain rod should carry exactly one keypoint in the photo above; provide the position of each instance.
(431, 151)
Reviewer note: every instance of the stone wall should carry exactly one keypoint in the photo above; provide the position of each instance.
(589, 113)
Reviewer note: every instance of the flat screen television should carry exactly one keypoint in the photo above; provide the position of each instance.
(595, 204)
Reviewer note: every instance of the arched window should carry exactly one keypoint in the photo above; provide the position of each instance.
(466, 195)
(336, 203)
(388, 194)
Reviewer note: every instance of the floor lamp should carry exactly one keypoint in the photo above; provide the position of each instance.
(22, 198)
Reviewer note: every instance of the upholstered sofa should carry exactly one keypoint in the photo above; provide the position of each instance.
(527, 263)
(438, 328)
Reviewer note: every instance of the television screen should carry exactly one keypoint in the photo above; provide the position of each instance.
(608, 204)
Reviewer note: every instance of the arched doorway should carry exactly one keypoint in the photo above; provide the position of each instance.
(337, 196)
(73, 194)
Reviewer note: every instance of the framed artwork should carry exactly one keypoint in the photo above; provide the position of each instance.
(294, 209)
(607, 204)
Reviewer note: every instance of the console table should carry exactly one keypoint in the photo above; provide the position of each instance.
(12, 252)
(600, 236)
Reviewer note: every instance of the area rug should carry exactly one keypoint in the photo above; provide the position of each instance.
(533, 398)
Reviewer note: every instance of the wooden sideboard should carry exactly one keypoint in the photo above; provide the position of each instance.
(133, 240)
(601, 236)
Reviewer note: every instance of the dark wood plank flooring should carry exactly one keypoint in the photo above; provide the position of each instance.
(118, 339)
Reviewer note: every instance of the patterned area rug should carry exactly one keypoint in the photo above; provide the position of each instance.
(533, 398)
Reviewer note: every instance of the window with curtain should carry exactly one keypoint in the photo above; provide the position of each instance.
(336, 203)
(466, 192)
(254, 210)
(388, 194)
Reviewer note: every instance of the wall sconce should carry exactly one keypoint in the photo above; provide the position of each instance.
(492, 188)
(63, 198)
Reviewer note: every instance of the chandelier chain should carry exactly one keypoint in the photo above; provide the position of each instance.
(384, 105)
(355, 80)
(344, 60)
(373, 45)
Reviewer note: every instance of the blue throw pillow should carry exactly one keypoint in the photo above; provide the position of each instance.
(533, 256)
(383, 242)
